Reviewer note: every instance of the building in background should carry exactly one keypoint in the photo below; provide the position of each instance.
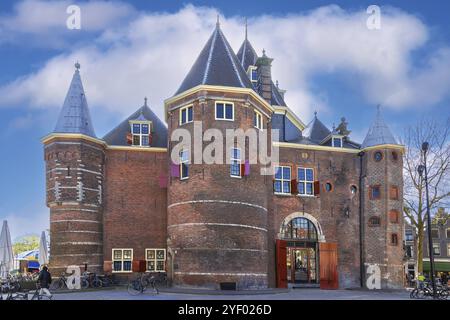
(440, 233)
(330, 216)
(410, 245)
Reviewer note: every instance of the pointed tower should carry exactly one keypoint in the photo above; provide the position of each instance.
(382, 171)
(74, 177)
(217, 216)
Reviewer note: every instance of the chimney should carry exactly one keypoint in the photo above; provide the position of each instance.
(264, 69)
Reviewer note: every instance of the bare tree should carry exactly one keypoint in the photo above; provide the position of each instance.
(437, 134)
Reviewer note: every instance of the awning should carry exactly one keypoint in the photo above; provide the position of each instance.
(33, 264)
(439, 266)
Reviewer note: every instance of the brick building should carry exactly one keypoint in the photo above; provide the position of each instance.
(329, 216)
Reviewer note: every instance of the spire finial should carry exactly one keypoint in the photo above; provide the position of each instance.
(218, 21)
(315, 114)
(264, 52)
(145, 101)
(246, 27)
(378, 108)
(77, 65)
(277, 84)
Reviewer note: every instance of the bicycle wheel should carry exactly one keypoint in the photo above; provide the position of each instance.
(443, 295)
(135, 287)
(420, 294)
(56, 285)
(84, 283)
(413, 294)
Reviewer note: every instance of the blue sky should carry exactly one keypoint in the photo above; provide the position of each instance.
(324, 55)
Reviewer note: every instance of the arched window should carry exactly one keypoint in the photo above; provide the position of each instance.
(299, 228)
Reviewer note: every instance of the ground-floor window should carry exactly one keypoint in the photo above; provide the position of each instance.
(156, 259)
(122, 260)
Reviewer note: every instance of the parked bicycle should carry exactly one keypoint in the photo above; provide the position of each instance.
(426, 290)
(38, 295)
(142, 282)
(61, 283)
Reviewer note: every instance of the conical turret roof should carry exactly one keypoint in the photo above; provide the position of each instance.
(378, 133)
(216, 65)
(74, 116)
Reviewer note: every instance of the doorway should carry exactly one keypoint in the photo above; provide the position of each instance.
(301, 262)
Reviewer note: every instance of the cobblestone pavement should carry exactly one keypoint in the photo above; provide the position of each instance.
(293, 294)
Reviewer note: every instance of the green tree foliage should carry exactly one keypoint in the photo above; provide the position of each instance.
(26, 243)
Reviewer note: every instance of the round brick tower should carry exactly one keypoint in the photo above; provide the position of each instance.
(217, 221)
(74, 178)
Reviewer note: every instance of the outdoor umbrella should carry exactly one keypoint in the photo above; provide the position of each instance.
(6, 251)
(43, 250)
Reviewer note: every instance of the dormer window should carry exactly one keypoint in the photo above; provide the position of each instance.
(140, 133)
(337, 142)
(252, 73)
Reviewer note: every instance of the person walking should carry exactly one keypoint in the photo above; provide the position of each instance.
(421, 280)
(44, 280)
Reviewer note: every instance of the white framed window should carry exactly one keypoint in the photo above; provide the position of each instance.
(337, 142)
(156, 259)
(140, 131)
(436, 249)
(305, 183)
(252, 73)
(186, 114)
(282, 181)
(122, 260)
(235, 161)
(224, 111)
(258, 120)
(184, 164)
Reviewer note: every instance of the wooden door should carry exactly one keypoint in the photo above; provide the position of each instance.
(281, 251)
(328, 266)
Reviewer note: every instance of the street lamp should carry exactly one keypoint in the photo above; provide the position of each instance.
(422, 169)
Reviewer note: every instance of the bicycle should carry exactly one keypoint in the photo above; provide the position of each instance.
(140, 284)
(427, 291)
(60, 283)
(107, 280)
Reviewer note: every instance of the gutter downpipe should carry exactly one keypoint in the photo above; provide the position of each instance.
(361, 220)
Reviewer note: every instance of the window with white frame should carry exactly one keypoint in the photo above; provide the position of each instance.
(258, 120)
(122, 260)
(282, 182)
(252, 73)
(186, 115)
(140, 133)
(436, 249)
(224, 111)
(156, 259)
(235, 161)
(184, 164)
(305, 181)
(337, 142)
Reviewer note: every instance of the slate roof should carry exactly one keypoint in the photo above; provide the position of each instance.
(316, 131)
(378, 133)
(247, 55)
(74, 116)
(118, 136)
(277, 98)
(216, 65)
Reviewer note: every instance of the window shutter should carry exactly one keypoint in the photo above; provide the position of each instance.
(294, 189)
(175, 170)
(247, 168)
(135, 266)
(316, 188)
(150, 139)
(242, 169)
(129, 138)
(273, 185)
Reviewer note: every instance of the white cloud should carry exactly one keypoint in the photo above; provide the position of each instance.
(150, 55)
(43, 23)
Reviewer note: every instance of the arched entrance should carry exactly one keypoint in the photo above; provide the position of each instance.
(302, 260)
(302, 255)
